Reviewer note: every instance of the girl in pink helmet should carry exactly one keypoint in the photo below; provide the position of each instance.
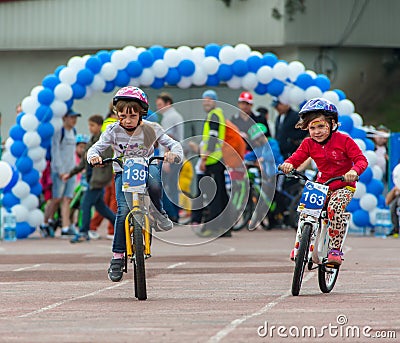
(132, 136)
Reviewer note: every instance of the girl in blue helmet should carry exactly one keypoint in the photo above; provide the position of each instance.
(335, 154)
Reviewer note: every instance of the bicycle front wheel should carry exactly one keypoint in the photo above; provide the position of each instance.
(327, 278)
(301, 259)
(139, 267)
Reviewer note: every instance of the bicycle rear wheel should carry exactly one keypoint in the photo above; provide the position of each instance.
(139, 267)
(301, 259)
(244, 220)
(327, 278)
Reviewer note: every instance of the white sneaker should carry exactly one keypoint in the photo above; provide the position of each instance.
(94, 235)
(110, 237)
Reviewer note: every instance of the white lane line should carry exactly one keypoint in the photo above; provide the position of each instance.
(172, 266)
(25, 268)
(57, 304)
(235, 323)
(222, 252)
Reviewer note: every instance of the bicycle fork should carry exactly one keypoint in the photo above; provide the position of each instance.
(315, 225)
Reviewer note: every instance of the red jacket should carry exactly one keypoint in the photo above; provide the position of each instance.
(335, 158)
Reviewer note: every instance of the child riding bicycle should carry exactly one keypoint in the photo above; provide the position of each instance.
(132, 136)
(335, 154)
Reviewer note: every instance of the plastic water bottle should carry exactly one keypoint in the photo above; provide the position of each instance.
(383, 223)
(9, 227)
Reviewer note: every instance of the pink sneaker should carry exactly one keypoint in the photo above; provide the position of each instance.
(292, 255)
(335, 257)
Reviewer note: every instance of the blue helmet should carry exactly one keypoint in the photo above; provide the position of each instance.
(320, 105)
(82, 139)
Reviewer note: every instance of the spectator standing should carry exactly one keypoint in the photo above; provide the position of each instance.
(380, 139)
(263, 112)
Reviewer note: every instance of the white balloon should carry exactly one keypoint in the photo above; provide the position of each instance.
(131, 52)
(76, 63)
(57, 123)
(85, 59)
(185, 52)
(35, 218)
(377, 172)
(147, 77)
(210, 65)
(8, 143)
(345, 107)
(371, 157)
(29, 122)
(21, 189)
(396, 175)
(368, 202)
(98, 83)
(40, 165)
(297, 95)
(242, 51)
(284, 97)
(37, 153)
(108, 71)
(360, 190)
(68, 75)
(331, 96)
(63, 92)
(361, 144)
(30, 104)
(372, 216)
(199, 77)
(198, 55)
(159, 68)
(295, 69)
(31, 202)
(227, 54)
(185, 82)
(9, 158)
(172, 58)
(313, 92)
(6, 173)
(59, 108)
(264, 74)
(357, 119)
(312, 73)
(280, 71)
(31, 139)
(234, 83)
(120, 59)
(36, 90)
(20, 212)
(249, 81)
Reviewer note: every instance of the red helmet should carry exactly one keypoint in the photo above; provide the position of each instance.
(246, 97)
(131, 93)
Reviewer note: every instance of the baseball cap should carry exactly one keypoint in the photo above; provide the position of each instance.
(246, 97)
(257, 130)
(274, 102)
(209, 93)
(72, 113)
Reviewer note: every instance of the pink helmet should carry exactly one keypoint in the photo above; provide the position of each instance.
(131, 93)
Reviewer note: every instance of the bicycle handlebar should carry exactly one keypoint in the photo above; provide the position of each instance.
(117, 160)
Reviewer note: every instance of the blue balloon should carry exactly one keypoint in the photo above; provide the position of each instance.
(173, 76)
(158, 83)
(269, 59)
(18, 148)
(134, 69)
(13, 181)
(254, 63)
(104, 56)
(158, 52)
(84, 77)
(9, 200)
(275, 87)
(58, 70)
(146, 59)
(31, 178)
(361, 218)
(346, 123)
(46, 96)
(261, 89)
(24, 164)
(304, 81)
(353, 205)
(186, 68)
(45, 143)
(37, 189)
(23, 230)
(78, 91)
(212, 49)
(212, 80)
(69, 103)
(109, 87)
(375, 187)
(369, 143)
(340, 93)
(366, 177)
(381, 201)
(224, 72)
(358, 133)
(45, 130)
(19, 117)
(122, 78)
(50, 81)
(322, 82)
(17, 132)
(44, 113)
(239, 68)
(94, 64)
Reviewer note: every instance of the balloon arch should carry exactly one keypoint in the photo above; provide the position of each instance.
(237, 66)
